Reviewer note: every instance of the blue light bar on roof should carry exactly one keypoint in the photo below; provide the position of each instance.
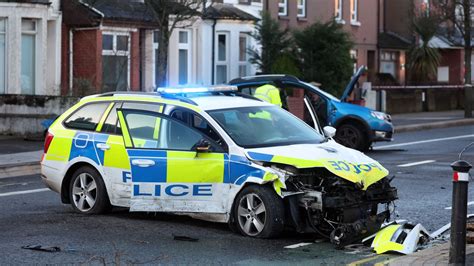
(179, 90)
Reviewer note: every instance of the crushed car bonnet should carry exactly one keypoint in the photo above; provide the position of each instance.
(349, 164)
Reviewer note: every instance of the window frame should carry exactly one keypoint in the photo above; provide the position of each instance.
(302, 7)
(284, 6)
(338, 11)
(5, 62)
(120, 105)
(185, 46)
(33, 33)
(115, 52)
(226, 62)
(354, 53)
(355, 13)
(174, 108)
(246, 62)
(167, 117)
(63, 122)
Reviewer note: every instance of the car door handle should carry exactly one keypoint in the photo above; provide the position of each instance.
(103, 146)
(143, 162)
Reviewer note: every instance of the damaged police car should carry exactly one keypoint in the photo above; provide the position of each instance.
(214, 154)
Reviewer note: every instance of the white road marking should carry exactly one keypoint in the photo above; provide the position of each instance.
(422, 142)
(416, 163)
(24, 192)
(468, 204)
(298, 245)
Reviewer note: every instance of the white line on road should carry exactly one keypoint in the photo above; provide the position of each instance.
(422, 142)
(298, 245)
(24, 192)
(416, 163)
(468, 204)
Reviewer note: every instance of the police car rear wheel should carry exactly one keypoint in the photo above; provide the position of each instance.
(87, 192)
(259, 212)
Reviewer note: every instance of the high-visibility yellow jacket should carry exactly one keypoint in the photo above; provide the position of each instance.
(269, 93)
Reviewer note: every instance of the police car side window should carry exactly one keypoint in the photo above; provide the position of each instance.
(87, 117)
(152, 131)
(111, 124)
(197, 122)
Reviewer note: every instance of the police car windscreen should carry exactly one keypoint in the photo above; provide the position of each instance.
(253, 127)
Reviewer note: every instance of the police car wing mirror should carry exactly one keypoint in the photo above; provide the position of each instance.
(329, 131)
(203, 146)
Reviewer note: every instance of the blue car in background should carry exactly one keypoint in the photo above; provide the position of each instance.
(357, 126)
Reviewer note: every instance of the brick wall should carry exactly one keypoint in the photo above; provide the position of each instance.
(454, 59)
(87, 56)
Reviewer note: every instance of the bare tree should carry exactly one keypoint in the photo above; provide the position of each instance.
(458, 17)
(169, 15)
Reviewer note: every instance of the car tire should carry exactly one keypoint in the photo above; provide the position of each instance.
(87, 192)
(264, 217)
(352, 136)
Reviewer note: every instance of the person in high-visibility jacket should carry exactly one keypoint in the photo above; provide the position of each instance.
(269, 93)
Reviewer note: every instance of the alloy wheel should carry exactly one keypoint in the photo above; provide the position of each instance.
(251, 214)
(84, 192)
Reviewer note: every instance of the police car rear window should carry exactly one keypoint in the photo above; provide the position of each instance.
(87, 117)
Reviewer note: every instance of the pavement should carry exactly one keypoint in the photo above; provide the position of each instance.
(418, 159)
(429, 120)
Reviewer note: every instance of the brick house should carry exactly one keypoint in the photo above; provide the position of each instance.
(106, 47)
(398, 17)
(358, 17)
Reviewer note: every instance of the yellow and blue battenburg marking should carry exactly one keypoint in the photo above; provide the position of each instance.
(189, 167)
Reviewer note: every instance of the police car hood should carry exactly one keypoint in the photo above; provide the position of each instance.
(346, 163)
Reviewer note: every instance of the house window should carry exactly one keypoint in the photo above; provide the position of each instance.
(3, 62)
(184, 57)
(443, 74)
(354, 13)
(243, 56)
(338, 10)
(222, 62)
(301, 8)
(389, 62)
(28, 55)
(115, 61)
(282, 7)
(354, 58)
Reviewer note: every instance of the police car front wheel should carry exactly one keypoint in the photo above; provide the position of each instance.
(87, 192)
(259, 212)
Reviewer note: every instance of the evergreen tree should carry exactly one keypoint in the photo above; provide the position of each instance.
(273, 42)
(323, 53)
